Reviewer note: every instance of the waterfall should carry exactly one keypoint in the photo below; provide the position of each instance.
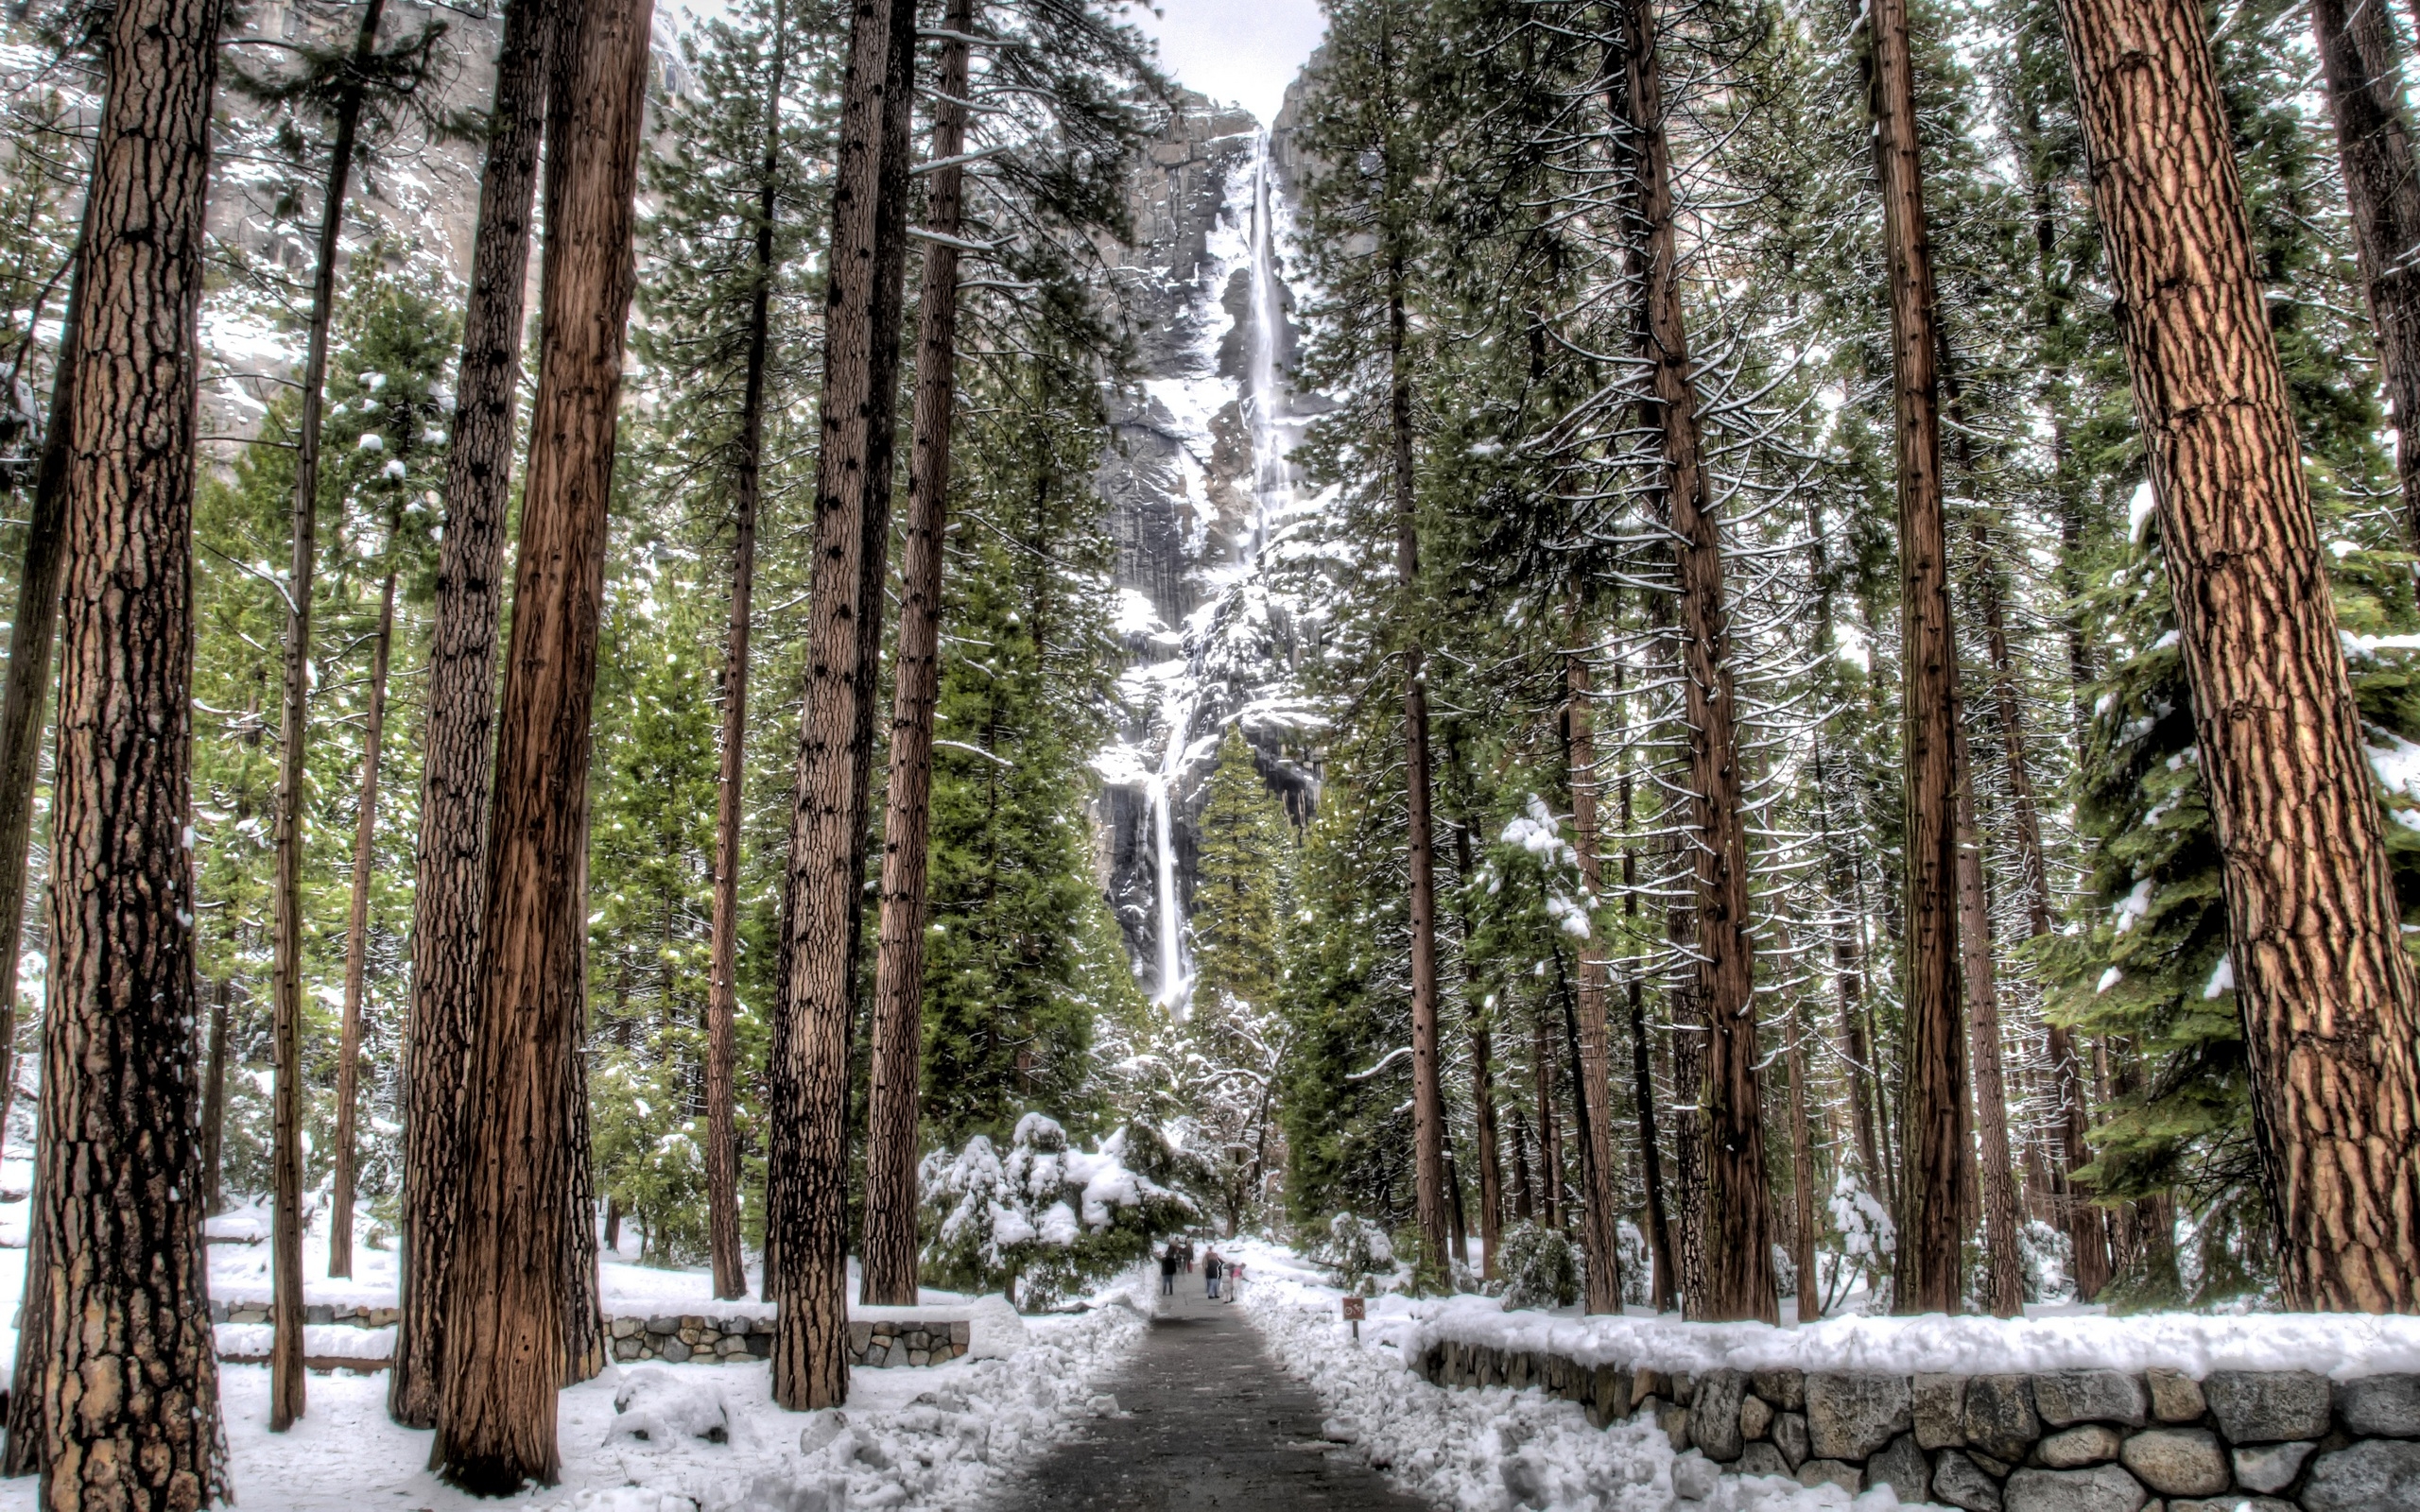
(1267, 412)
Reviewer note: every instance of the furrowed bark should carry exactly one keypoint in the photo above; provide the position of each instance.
(722, 988)
(356, 932)
(115, 1349)
(287, 1380)
(449, 894)
(31, 632)
(890, 1239)
(507, 1348)
(822, 905)
(1651, 1157)
(2361, 60)
(2325, 987)
(2004, 1266)
(1736, 1214)
(1601, 1236)
(1801, 1176)
(214, 1106)
(1935, 1193)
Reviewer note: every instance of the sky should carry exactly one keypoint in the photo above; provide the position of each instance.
(1243, 51)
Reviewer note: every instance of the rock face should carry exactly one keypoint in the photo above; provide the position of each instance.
(1200, 494)
(1852, 1417)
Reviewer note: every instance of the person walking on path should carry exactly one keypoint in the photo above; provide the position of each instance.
(1210, 1272)
(1167, 1270)
(1234, 1282)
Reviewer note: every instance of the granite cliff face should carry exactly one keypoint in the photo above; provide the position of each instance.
(1203, 498)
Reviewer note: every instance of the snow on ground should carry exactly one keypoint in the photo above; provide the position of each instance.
(2338, 1345)
(701, 1438)
(1493, 1450)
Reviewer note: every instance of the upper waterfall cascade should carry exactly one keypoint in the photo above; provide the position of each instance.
(1204, 494)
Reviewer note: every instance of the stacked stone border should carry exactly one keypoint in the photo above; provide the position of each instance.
(2051, 1441)
(686, 1338)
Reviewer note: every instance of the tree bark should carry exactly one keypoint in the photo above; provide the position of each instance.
(892, 1140)
(1651, 1157)
(214, 1106)
(286, 1380)
(1736, 1213)
(1935, 1193)
(1491, 1173)
(31, 632)
(2004, 1265)
(2325, 990)
(2361, 60)
(356, 932)
(1427, 1083)
(1549, 1202)
(115, 1346)
(722, 988)
(822, 908)
(523, 1177)
(1802, 1176)
(1601, 1236)
(450, 876)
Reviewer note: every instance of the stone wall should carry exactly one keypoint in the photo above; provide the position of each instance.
(317, 1312)
(2061, 1442)
(687, 1339)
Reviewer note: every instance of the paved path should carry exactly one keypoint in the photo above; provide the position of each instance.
(1210, 1422)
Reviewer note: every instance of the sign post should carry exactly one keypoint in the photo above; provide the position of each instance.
(1355, 1309)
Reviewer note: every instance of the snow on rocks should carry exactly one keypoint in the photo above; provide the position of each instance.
(1490, 1449)
(653, 1404)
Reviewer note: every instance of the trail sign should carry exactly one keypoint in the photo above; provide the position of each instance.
(1355, 1308)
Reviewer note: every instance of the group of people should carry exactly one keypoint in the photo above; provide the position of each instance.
(1215, 1270)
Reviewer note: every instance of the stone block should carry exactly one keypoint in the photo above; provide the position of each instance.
(731, 1345)
(1940, 1408)
(218, 1312)
(320, 1313)
(1695, 1479)
(662, 1325)
(2063, 1397)
(1760, 1458)
(2234, 1503)
(2380, 1406)
(1755, 1418)
(2176, 1397)
(1852, 1417)
(961, 1331)
(1644, 1384)
(1714, 1416)
(625, 1327)
(1958, 1482)
(2177, 1461)
(1902, 1467)
(2376, 1475)
(674, 1350)
(1674, 1419)
(860, 1337)
(1683, 1389)
(878, 1353)
(1839, 1472)
(1785, 1389)
(627, 1347)
(1792, 1439)
(2074, 1448)
(2000, 1419)
(916, 1356)
(2102, 1488)
(2269, 1406)
(2270, 1467)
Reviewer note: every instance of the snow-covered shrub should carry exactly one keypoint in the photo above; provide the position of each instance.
(658, 1406)
(1638, 1264)
(1043, 1223)
(1540, 1267)
(1356, 1252)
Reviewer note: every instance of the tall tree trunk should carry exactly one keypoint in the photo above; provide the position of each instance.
(1651, 1157)
(583, 1307)
(1736, 1213)
(1935, 1193)
(285, 1389)
(1549, 1205)
(1491, 1173)
(2325, 990)
(115, 1346)
(1600, 1235)
(30, 634)
(2361, 60)
(892, 1139)
(722, 984)
(1801, 1176)
(523, 1177)
(214, 1106)
(1525, 1208)
(449, 893)
(821, 904)
(356, 931)
(2080, 1220)
(2004, 1266)
(1428, 1081)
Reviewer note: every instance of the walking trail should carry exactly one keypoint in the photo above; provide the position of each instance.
(1208, 1421)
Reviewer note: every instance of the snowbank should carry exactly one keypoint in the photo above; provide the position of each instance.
(320, 1341)
(2341, 1346)
(1492, 1450)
